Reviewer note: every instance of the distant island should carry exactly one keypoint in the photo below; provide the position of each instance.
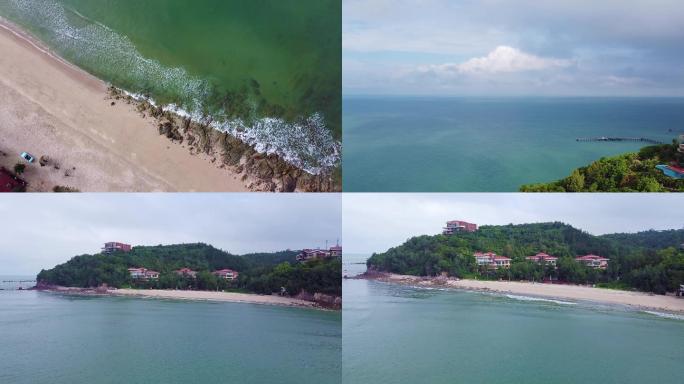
(651, 261)
(655, 168)
(310, 275)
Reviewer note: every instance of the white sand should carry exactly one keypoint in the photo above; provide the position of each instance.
(215, 296)
(558, 291)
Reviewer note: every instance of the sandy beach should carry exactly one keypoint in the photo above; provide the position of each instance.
(638, 300)
(215, 296)
(51, 108)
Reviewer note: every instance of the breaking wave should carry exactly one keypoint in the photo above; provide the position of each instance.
(665, 315)
(307, 144)
(529, 298)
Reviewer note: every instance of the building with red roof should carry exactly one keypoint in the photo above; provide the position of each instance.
(543, 258)
(593, 261)
(143, 274)
(186, 272)
(492, 260)
(456, 226)
(116, 247)
(227, 274)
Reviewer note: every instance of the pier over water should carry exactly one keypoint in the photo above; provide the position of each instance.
(606, 138)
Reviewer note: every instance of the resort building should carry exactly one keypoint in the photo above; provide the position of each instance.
(543, 258)
(227, 274)
(593, 261)
(492, 260)
(313, 254)
(456, 226)
(186, 272)
(143, 274)
(116, 247)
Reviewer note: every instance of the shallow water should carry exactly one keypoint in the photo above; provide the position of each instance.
(199, 54)
(400, 334)
(490, 144)
(50, 338)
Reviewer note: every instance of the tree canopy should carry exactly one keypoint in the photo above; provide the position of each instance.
(650, 261)
(258, 272)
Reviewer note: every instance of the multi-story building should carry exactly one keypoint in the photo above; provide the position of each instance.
(313, 254)
(593, 261)
(143, 274)
(227, 274)
(492, 260)
(455, 226)
(543, 258)
(116, 247)
(186, 272)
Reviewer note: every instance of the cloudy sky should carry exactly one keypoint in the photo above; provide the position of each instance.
(521, 47)
(40, 230)
(376, 222)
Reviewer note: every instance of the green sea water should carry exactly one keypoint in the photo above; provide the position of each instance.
(268, 71)
(49, 338)
(398, 334)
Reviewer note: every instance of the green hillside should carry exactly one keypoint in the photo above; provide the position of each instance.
(631, 172)
(260, 273)
(649, 261)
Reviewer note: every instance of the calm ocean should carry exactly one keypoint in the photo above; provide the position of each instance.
(49, 338)
(489, 144)
(398, 334)
(194, 53)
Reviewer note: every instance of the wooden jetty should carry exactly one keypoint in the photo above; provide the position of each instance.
(606, 138)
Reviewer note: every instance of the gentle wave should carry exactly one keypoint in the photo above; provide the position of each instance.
(530, 298)
(665, 315)
(308, 144)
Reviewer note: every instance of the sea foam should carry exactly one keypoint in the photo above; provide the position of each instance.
(307, 144)
(530, 298)
(665, 315)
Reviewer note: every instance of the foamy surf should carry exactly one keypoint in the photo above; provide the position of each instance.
(530, 298)
(307, 143)
(665, 315)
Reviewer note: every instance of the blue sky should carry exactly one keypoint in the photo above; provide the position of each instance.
(522, 47)
(42, 230)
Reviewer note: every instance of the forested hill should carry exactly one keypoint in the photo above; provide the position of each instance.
(630, 172)
(258, 272)
(648, 260)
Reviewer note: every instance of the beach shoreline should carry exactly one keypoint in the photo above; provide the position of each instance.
(96, 138)
(636, 300)
(213, 296)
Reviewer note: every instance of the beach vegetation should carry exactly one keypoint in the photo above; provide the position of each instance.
(648, 261)
(19, 168)
(263, 273)
(631, 172)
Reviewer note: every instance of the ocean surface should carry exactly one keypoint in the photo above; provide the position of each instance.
(197, 55)
(399, 334)
(422, 144)
(50, 338)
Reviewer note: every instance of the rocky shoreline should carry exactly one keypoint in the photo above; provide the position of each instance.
(259, 171)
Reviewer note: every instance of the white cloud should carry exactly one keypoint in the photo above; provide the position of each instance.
(503, 59)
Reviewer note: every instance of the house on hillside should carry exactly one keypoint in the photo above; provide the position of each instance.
(314, 254)
(227, 274)
(492, 260)
(143, 274)
(456, 226)
(116, 247)
(543, 258)
(186, 272)
(593, 261)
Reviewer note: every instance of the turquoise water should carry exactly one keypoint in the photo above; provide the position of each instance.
(405, 144)
(48, 338)
(398, 334)
(267, 71)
